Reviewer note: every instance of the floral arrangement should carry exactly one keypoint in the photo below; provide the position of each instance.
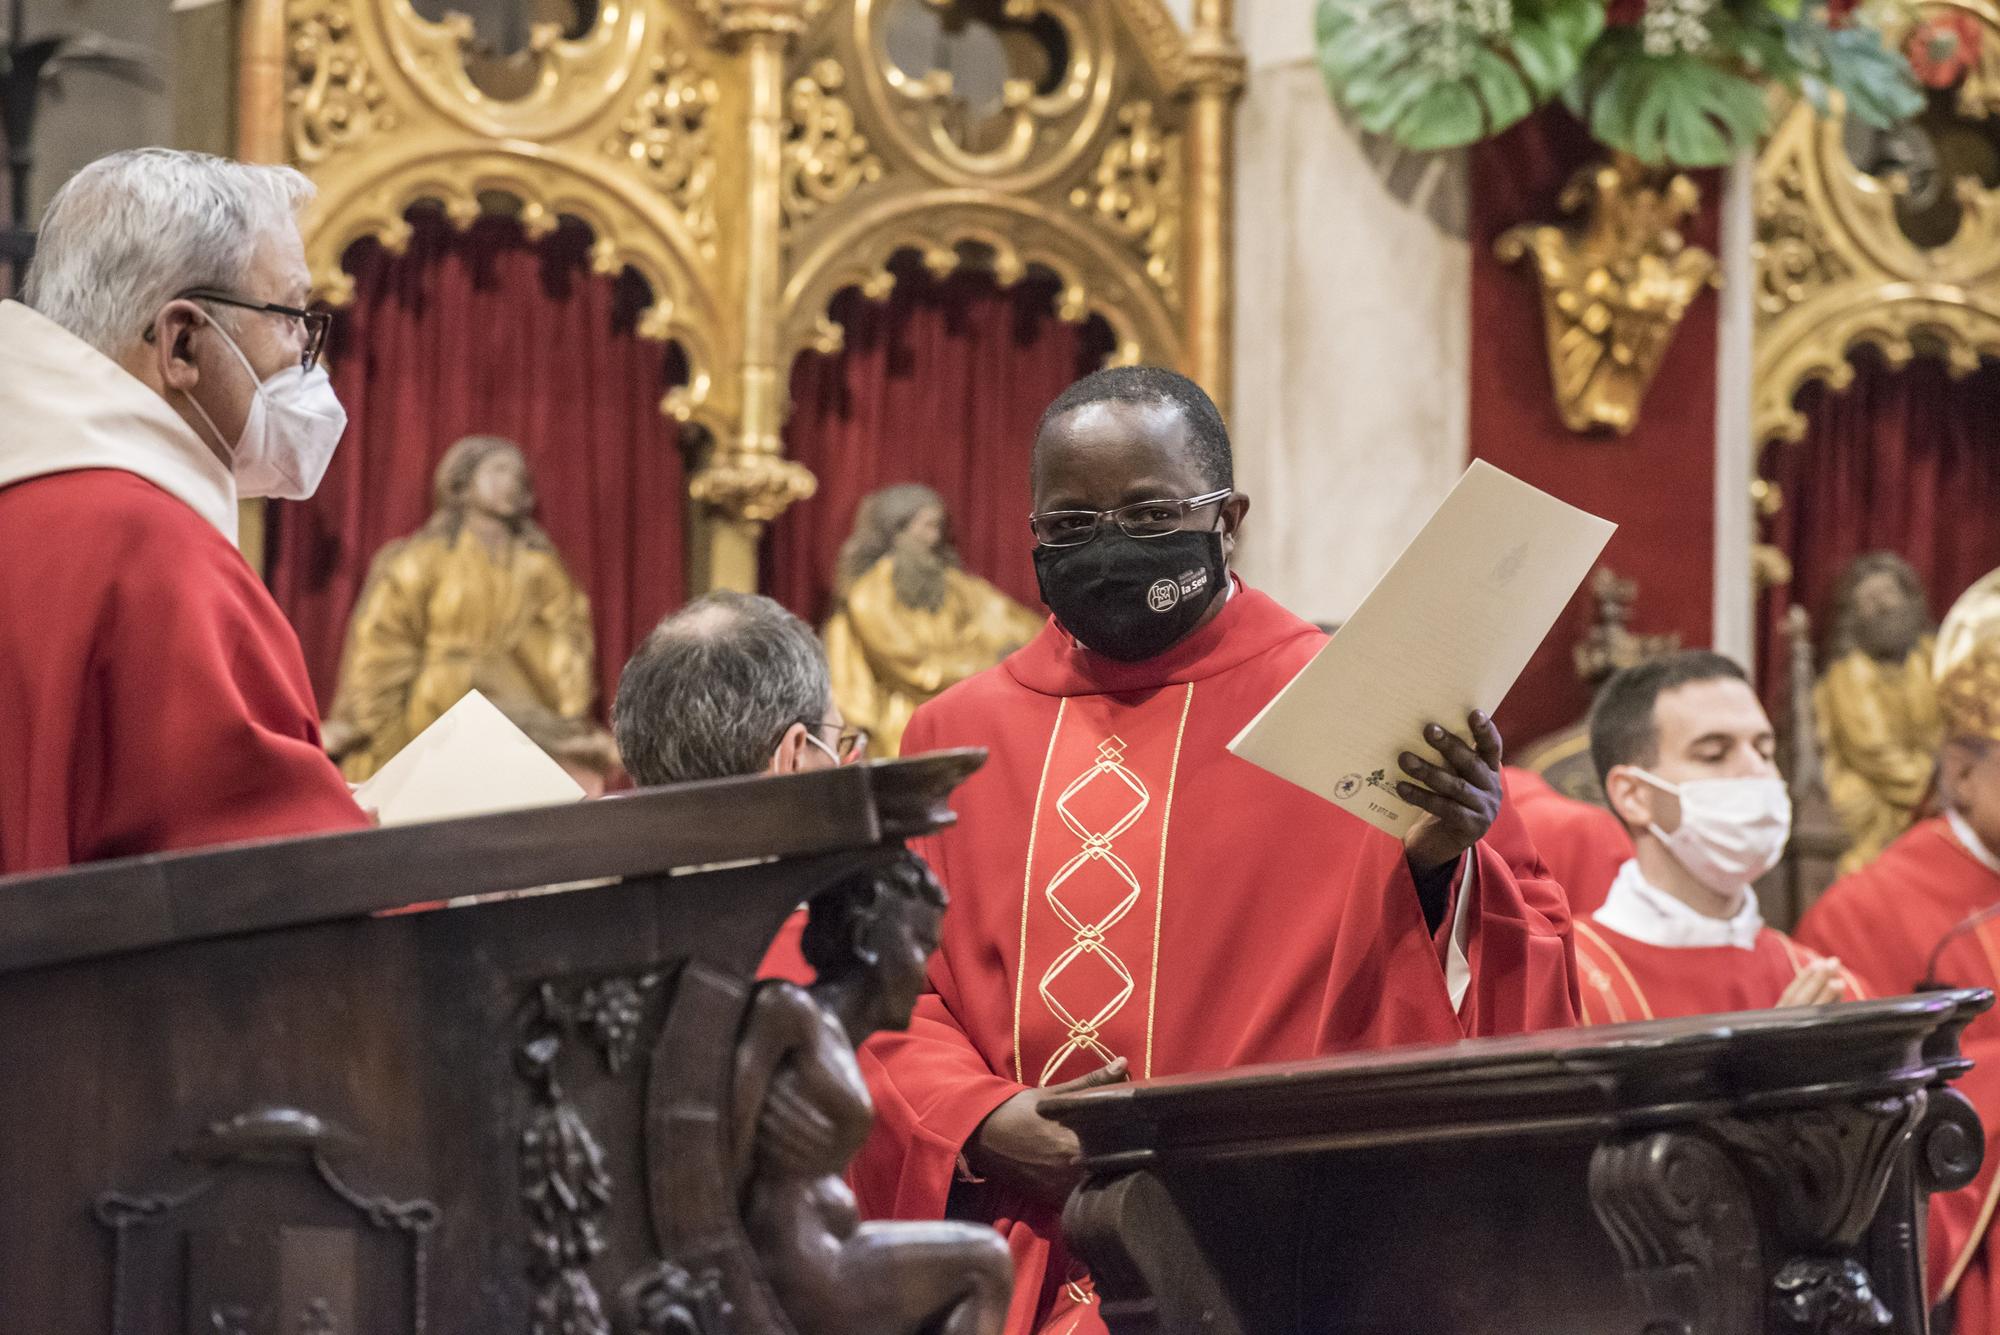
(1683, 83)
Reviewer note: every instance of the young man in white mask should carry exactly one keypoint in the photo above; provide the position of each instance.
(160, 367)
(1684, 748)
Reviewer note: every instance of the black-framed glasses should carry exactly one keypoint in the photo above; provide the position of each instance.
(318, 323)
(1141, 519)
(849, 744)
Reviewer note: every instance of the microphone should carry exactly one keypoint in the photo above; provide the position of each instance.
(1929, 982)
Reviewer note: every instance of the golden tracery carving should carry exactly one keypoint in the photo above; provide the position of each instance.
(749, 159)
(1837, 270)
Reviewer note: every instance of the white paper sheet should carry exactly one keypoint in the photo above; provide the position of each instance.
(1446, 631)
(473, 761)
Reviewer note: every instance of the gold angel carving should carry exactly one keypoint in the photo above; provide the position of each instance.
(1614, 287)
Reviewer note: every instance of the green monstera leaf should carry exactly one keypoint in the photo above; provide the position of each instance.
(1681, 109)
(1445, 73)
(1875, 83)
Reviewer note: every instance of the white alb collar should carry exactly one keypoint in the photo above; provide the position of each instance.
(1641, 910)
(1972, 842)
(66, 406)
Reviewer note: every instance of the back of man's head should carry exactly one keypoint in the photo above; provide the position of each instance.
(715, 687)
(130, 232)
(1624, 729)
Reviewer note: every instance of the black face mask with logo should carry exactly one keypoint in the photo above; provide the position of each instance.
(1132, 598)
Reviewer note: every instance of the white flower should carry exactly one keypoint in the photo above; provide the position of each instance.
(1675, 26)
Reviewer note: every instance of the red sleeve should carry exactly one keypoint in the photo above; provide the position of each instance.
(205, 731)
(1523, 960)
(785, 958)
(931, 1086)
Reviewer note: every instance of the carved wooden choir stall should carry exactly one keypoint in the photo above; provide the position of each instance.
(287, 1087)
(250, 1098)
(1720, 1175)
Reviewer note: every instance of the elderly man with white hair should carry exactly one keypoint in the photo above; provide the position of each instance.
(161, 365)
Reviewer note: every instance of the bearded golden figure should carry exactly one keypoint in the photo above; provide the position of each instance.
(476, 598)
(908, 621)
(1876, 704)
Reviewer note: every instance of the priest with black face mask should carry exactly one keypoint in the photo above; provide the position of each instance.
(1128, 899)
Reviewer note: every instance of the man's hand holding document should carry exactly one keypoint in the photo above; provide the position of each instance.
(1440, 640)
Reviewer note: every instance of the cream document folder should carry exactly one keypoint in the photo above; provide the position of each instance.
(471, 762)
(1445, 632)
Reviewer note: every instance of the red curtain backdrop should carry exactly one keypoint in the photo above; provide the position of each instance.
(1906, 461)
(943, 383)
(484, 331)
(1656, 483)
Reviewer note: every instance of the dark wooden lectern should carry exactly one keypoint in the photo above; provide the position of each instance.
(1719, 1176)
(241, 1096)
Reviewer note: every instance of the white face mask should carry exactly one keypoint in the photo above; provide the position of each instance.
(1732, 831)
(289, 437)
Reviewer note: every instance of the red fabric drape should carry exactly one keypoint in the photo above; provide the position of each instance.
(1906, 461)
(942, 384)
(1655, 483)
(487, 332)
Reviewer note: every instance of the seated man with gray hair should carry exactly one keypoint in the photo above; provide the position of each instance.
(161, 366)
(733, 684)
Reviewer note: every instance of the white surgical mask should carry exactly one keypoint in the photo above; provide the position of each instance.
(1732, 831)
(289, 437)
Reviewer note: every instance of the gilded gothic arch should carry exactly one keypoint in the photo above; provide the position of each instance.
(1836, 269)
(749, 159)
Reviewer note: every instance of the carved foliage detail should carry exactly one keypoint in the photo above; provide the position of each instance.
(1614, 286)
(1684, 1225)
(668, 136)
(667, 1300)
(1136, 191)
(565, 1176)
(826, 156)
(1795, 256)
(335, 99)
(1825, 1169)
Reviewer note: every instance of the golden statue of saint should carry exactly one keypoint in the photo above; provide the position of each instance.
(907, 620)
(1876, 704)
(477, 597)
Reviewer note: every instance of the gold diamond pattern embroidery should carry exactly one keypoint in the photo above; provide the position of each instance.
(1088, 942)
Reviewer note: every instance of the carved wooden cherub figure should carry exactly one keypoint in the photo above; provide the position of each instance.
(802, 1112)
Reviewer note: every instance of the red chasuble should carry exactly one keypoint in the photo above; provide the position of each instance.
(1124, 887)
(1623, 980)
(1884, 921)
(1583, 845)
(152, 696)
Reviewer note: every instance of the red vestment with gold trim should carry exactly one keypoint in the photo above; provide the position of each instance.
(1122, 886)
(1622, 980)
(1883, 922)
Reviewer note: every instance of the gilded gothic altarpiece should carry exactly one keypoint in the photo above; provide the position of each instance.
(1876, 240)
(750, 159)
